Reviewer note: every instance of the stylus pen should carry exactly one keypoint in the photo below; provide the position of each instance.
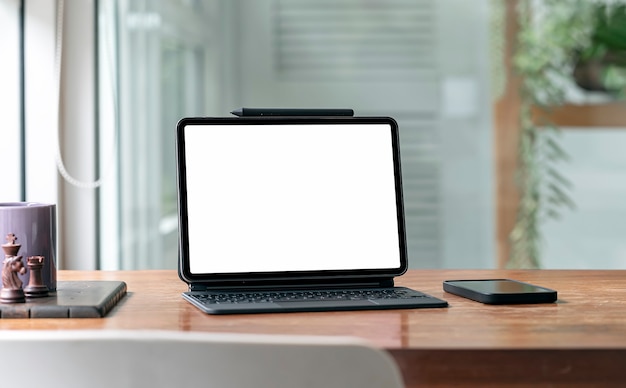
(253, 112)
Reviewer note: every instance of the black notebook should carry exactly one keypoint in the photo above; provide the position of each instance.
(281, 214)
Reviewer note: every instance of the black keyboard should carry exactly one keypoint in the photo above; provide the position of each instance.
(210, 298)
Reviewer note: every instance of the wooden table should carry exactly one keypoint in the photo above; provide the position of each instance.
(581, 340)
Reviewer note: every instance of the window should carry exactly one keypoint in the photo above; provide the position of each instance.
(160, 61)
(155, 68)
(591, 235)
(131, 72)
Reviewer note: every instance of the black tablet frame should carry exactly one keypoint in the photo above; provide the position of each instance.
(221, 280)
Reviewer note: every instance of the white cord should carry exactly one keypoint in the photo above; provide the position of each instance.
(58, 55)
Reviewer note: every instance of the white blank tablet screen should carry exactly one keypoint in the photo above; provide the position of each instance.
(278, 197)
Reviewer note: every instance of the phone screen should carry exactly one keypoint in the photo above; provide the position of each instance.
(498, 286)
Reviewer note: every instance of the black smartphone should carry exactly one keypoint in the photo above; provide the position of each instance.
(500, 291)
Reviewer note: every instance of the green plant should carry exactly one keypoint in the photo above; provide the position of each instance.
(556, 37)
(547, 38)
(602, 64)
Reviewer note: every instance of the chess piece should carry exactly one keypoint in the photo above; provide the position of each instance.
(10, 248)
(12, 265)
(35, 288)
(12, 291)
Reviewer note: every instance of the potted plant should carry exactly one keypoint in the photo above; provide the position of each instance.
(559, 44)
(601, 66)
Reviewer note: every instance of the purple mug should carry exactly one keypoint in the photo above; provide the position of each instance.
(34, 226)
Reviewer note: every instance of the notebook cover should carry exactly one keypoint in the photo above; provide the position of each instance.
(77, 299)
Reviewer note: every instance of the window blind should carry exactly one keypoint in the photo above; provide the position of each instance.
(354, 38)
(382, 41)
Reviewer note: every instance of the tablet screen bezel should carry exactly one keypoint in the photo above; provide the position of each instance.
(184, 267)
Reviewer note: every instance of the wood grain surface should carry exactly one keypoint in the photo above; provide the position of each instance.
(580, 339)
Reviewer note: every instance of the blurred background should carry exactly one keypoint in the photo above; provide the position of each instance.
(511, 114)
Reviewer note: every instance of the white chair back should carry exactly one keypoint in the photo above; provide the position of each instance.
(160, 359)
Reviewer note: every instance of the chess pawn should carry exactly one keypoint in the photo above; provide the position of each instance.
(36, 287)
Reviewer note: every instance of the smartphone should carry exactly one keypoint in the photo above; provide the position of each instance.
(500, 291)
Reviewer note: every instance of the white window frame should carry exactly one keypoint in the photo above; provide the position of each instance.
(10, 101)
(76, 230)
